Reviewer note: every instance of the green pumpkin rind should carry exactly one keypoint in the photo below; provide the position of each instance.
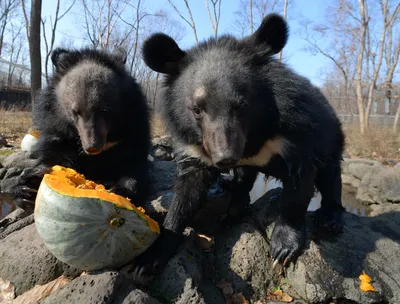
(80, 231)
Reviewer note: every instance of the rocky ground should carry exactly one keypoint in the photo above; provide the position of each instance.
(217, 265)
(372, 182)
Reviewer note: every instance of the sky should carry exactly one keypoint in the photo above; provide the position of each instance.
(304, 63)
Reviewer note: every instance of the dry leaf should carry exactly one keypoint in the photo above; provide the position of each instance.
(365, 281)
(237, 298)
(286, 298)
(280, 295)
(40, 292)
(7, 291)
(204, 242)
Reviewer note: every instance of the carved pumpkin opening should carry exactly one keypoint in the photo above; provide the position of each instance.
(68, 182)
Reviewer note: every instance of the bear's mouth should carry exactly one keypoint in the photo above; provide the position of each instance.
(93, 151)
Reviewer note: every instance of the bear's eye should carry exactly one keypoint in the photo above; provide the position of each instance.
(197, 111)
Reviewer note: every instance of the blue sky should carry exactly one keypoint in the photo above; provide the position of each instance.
(301, 61)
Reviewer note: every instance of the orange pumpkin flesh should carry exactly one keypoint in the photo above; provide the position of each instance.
(67, 181)
(34, 133)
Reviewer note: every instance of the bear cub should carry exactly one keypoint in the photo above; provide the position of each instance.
(231, 105)
(92, 117)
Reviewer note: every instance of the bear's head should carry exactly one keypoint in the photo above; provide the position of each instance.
(87, 84)
(216, 92)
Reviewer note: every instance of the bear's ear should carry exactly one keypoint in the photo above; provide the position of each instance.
(273, 33)
(162, 54)
(57, 56)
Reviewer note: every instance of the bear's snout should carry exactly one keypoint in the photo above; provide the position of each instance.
(224, 143)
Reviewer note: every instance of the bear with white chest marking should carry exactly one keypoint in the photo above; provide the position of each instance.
(92, 117)
(231, 105)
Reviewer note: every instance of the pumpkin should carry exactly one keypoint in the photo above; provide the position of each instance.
(88, 227)
(30, 139)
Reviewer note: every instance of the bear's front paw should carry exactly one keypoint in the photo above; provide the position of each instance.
(20, 185)
(286, 242)
(327, 223)
(126, 187)
(151, 262)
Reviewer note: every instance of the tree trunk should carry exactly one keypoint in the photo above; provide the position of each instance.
(284, 16)
(34, 47)
(396, 119)
(360, 101)
(377, 67)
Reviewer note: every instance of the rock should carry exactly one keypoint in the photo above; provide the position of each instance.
(105, 287)
(182, 275)
(3, 141)
(25, 261)
(380, 186)
(12, 227)
(330, 270)
(3, 172)
(359, 167)
(388, 181)
(350, 180)
(384, 208)
(19, 160)
(242, 259)
(13, 217)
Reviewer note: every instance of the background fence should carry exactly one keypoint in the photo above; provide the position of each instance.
(375, 119)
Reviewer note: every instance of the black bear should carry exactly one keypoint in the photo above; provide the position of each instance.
(231, 105)
(92, 117)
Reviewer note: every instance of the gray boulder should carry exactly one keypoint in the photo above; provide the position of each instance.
(105, 287)
(380, 186)
(19, 159)
(329, 269)
(25, 261)
(242, 259)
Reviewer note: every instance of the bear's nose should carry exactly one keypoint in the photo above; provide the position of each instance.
(92, 151)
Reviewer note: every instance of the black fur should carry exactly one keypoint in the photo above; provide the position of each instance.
(109, 106)
(244, 98)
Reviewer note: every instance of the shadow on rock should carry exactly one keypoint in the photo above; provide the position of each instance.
(329, 269)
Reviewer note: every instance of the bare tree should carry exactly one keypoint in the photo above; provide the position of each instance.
(33, 35)
(135, 27)
(359, 67)
(388, 21)
(15, 49)
(214, 20)
(6, 9)
(49, 45)
(101, 17)
(191, 23)
(251, 12)
(285, 7)
(340, 52)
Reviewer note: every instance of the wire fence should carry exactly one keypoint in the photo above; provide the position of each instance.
(375, 119)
